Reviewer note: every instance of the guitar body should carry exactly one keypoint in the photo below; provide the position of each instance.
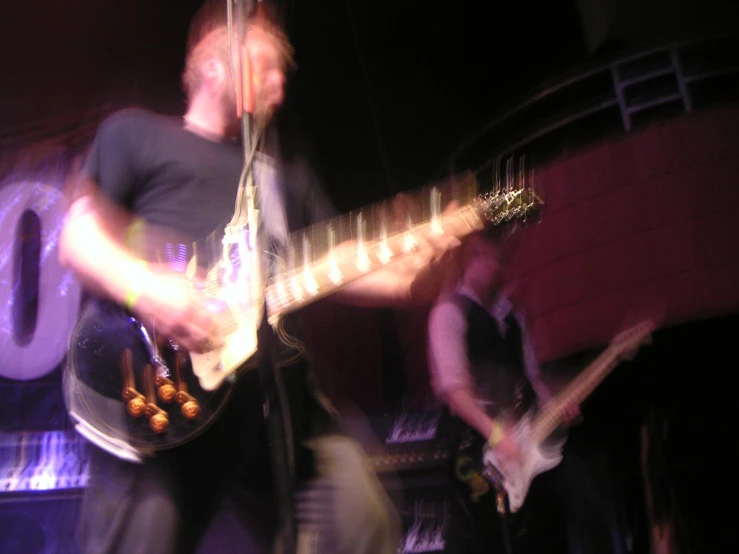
(123, 397)
(537, 454)
(516, 478)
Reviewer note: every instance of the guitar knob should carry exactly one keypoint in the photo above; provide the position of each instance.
(190, 409)
(166, 393)
(136, 406)
(159, 422)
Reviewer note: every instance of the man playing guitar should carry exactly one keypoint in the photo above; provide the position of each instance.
(182, 175)
(483, 367)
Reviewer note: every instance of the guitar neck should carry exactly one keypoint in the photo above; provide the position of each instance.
(328, 256)
(623, 345)
(293, 289)
(575, 393)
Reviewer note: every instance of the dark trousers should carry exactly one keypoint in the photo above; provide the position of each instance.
(166, 503)
(215, 494)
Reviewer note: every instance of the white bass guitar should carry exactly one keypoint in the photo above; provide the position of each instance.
(531, 431)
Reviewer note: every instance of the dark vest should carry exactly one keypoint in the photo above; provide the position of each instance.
(496, 361)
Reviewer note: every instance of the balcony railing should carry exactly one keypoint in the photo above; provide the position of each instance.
(602, 99)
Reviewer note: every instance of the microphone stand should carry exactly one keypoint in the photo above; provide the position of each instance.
(240, 10)
(276, 408)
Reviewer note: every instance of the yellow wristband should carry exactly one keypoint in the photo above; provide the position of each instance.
(496, 434)
(134, 232)
(131, 297)
(137, 286)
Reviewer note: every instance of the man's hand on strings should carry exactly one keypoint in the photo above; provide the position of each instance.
(172, 304)
(508, 450)
(571, 414)
(440, 238)
(437, 262)
(417, 279)
(503, 441)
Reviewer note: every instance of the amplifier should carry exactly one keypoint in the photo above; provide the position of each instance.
(411, 452)
(427, 518)
(412, 441)
(43, 461)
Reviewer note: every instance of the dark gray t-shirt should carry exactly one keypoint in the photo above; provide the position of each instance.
(178, 180)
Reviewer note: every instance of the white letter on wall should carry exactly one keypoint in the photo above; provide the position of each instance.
(39, 299)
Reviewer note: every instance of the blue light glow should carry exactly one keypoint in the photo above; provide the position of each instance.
(43, 461)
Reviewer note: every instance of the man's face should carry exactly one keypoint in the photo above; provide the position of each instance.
(483, 265)
(268, 73)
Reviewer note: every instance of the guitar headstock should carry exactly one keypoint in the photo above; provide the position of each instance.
(513, 201)
(628, 342)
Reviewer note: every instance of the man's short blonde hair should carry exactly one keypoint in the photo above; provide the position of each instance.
(209, 38)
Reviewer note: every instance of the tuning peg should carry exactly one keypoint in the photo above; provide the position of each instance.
(521, 173)
(190, 406)
(135, 401)
(190, 410)
(135, 404)
(158, 418)
(509, 175)
(159, 422)
(165, 389)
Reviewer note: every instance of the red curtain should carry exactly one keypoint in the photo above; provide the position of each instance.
(644, 226)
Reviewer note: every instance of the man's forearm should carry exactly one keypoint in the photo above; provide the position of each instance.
(90, 244)
(410, 282)
(464, 405)
(380, 289)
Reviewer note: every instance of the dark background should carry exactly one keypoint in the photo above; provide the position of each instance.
(383, 91)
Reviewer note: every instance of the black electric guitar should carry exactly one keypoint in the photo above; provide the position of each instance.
(134, 393)
(483, 469)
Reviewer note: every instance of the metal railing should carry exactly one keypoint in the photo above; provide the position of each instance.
(616, 92)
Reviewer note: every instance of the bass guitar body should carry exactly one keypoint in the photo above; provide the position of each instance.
(129, 393)
(535, 458)
(485, 471)
(539, 450)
